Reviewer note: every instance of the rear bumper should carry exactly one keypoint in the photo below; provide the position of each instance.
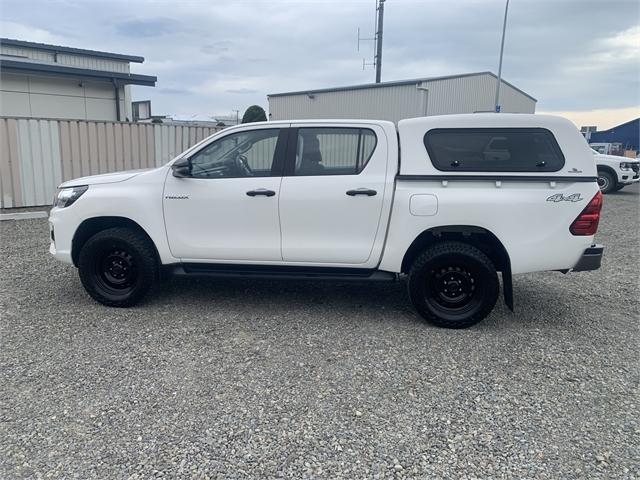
(590, 259)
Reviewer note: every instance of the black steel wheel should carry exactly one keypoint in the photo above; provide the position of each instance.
(116, 271)
(453, 285)
(117, 266)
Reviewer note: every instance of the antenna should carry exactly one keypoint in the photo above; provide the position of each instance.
(377, 39)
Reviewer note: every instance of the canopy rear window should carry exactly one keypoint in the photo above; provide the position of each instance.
(493, 150)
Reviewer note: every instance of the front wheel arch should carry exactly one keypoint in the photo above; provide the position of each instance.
(612, 173)
(90, 226)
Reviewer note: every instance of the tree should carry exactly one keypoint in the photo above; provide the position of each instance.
(255, 113)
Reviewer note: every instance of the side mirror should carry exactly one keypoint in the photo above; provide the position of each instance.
(182, 168)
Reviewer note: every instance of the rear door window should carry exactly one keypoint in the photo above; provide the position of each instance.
(333, 151)
(493, 150)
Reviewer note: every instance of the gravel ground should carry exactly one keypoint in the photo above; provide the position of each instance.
(261, 379)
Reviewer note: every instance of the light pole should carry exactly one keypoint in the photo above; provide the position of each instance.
(379, 41)
(237, 116)
(504, 29)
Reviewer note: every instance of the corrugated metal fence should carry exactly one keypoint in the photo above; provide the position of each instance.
(36, 155)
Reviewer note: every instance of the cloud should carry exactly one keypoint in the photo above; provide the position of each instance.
(603, 118)
(20, 31)
(147, 27)
(214, 57)
(242, 91)
(175, 91)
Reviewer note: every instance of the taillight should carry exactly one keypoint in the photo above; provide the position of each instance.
(587, 221)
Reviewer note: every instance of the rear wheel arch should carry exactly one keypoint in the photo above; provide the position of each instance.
(453, 284)
(481, 238)
(91, 226)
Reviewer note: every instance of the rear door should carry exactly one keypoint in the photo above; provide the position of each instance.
(332, 194)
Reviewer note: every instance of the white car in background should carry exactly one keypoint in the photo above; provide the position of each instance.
(615, 172)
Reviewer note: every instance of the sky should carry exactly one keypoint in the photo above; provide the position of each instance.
(579, 58)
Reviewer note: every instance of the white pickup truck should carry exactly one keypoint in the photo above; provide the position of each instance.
(445, 201)
(614, 172)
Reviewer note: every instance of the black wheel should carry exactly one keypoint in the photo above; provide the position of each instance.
(118, 266)
(606, 182)
(453, 285)
(618, 187)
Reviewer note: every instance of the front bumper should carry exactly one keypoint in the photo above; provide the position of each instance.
(630, 175)
(590, 259)
(62, 225)
(630, 179)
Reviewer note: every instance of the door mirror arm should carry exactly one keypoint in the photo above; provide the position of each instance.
(182, 168)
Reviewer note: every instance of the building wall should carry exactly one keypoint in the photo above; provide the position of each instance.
(36, 155)
(474, 94)
(628, 134)
(71, 60)
(390, 103)
(53, 97)
(395, 102)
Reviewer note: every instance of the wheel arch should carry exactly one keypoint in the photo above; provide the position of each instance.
(608, 169)
(91, 226)
(481, 238)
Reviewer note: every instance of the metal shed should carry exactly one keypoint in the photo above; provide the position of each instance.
(464, 93)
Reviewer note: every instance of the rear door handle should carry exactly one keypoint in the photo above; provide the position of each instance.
(261, 191)
(361, 191)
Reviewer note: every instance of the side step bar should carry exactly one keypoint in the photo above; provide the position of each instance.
(282, 272)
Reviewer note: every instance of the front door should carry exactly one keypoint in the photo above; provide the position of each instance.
(227, 209)
(331, 197)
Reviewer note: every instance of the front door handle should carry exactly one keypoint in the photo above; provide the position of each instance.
(361, 191)
(261, 191)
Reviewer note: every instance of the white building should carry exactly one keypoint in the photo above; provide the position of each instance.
(466, 93)
(38, 80)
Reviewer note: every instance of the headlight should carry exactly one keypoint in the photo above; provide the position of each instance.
(66, 196)
(625, 166)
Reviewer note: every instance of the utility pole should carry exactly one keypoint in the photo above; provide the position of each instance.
(237, 116)
(504, 29)
(378, 60)
(377, 39)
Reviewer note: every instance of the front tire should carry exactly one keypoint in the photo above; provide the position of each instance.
(118, 266)
(606, 182)
(453, 285)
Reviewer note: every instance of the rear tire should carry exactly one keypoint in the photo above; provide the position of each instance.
(606, 182)
(118, 266)
(453, 285)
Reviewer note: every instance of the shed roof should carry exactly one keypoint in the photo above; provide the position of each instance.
(397, 83)
(79, 51)
(27, 66)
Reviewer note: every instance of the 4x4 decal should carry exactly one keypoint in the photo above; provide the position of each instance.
(558, 197)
